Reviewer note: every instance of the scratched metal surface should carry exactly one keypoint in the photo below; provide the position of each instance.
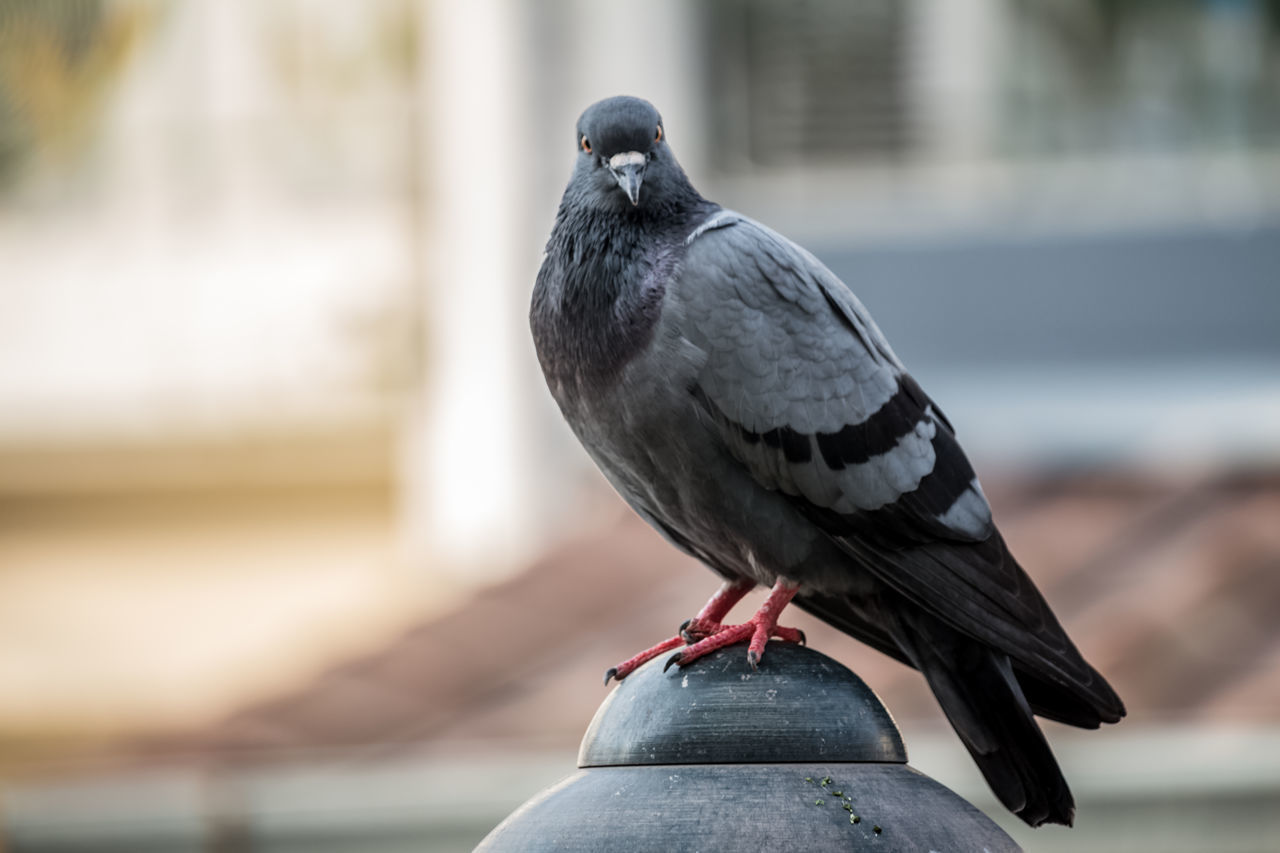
(800, 755)
(802, 706)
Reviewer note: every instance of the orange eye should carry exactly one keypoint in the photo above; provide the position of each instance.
(586, 146)
(658, 138)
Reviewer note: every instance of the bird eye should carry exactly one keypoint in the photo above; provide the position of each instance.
(658, 138)
(586, 145)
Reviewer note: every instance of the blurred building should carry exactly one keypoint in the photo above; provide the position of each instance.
(278, 472)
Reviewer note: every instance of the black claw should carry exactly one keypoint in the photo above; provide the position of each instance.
(684, 633)
(753, 659)
(803, 641)
(683, 625)
(674, 659)
(611, 674)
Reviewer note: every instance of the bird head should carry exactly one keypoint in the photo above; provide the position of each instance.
(623, 158)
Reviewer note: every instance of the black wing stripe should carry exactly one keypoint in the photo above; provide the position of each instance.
(923, 400)
(853, 444)
(795, 445)
(913, 517)
(950, 478)
(856, 444)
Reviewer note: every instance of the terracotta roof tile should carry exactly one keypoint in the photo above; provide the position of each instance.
(1169, 585)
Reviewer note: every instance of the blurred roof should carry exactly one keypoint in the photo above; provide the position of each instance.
(1168, 584)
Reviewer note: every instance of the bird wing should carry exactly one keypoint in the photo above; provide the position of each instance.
(807, 394)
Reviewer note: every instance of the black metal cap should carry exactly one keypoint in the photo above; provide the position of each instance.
(799, 755)
(799, 706)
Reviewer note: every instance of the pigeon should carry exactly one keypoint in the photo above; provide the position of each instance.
(741, 400)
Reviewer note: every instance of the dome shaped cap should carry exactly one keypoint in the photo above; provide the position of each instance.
(800, 755)
(799, 706)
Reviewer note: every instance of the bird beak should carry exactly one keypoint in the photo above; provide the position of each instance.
(628, 171)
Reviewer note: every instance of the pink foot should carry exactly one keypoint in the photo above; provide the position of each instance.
(760, 627)
(729, 594)
(631, 664)
(695, 630)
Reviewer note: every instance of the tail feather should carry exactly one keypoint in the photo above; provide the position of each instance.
(989, 698)
(1048, 698)
(982, 699)
(1055, 702)
(1007, 745)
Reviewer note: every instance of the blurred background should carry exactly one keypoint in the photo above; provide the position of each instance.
(295, 552)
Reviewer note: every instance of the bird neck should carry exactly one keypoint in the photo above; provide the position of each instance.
(600, 289)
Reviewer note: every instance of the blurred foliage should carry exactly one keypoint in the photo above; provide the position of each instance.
(57, 58)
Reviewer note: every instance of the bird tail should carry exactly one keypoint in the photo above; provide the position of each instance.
(982, 699)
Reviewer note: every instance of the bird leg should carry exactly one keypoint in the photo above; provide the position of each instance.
(706, 622)
(760, 627)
